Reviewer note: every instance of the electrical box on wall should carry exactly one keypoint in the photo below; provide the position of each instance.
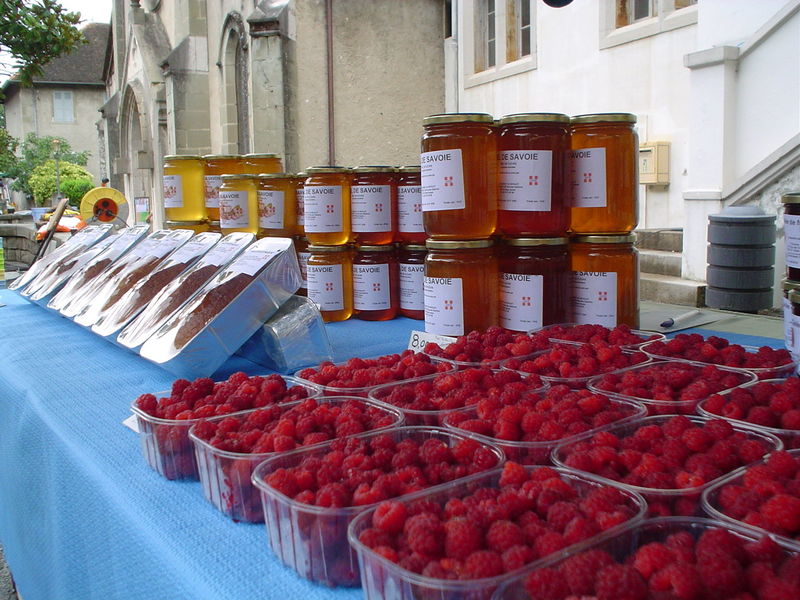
(654, 163)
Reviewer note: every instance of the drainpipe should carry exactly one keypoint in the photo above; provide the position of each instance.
(329, 49)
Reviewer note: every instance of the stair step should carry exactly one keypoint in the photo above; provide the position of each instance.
(668, 240)
(671, 290)
(660, 262)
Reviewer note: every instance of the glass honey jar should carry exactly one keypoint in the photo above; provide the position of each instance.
(261, 163)
(301, 248)
(605, 280)
(276, 205)
(789, 319)
(196, 226)
(373, 204)
(238, 204)
(330, 281)
(461, 286)
(376, 289)
(411, 270)
(532, 154)
(410, 229)
(534, 280)
(300, 218)
(184, 199)
(791, 233)
(215, 166)
(326, 206)
(459, 176)
(604, 164)
(215, 226)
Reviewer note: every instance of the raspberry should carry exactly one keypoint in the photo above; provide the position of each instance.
(546, 584)
(425, 534)
(390, 516)
(652, 557)
(462, 538)
(483, 563)
(580, 570)
(680, 579)
(517, 557)
(783, 512)
(721, 573)
(502, 535)
(619, 582)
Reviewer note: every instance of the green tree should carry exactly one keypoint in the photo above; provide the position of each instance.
(36, 151)
(43, 179)
(34, 32)
(8, 146)
(75, 189)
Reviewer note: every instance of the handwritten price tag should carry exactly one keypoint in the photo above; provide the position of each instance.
(419, 339)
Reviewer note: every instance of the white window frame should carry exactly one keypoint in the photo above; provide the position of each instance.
(67, 94)
(474, 41)
(667, 18)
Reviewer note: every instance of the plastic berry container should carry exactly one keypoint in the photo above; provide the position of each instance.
(513, 345)
(789, 437)
(540, 452)
(622, 548)
(435, 418)
(226, 476)
(382, 578)
(607, 383)
(312, 540)
(165, 442)
(712, 503)
(560, 332)
(669, 501)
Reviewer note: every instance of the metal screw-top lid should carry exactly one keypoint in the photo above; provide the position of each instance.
(604, 118)
(220, 156)
(262, 155)
(409, 169)
(274, 175)
(374, 248)
(604, 239)
(794, 296)
(789, 285)
(323, 170)
(557, 241)
(177, 224)
(373, 169)
(458, 118)
(791, 198)
(235, 176)
(340, 248)
(458, 244)
(182, 157)
(414, 247)
(534, 118)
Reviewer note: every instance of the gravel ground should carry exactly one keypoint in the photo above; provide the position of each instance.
(6, 585)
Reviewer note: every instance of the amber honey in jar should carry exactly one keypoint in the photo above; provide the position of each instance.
(604, 165)
(410, 229)
(301, 248)
(373, 204)
(215, 166)
(184, 198)
(411, 270)
(326, 205)
(276, 205)
(532, 154)
(605, 280)
(459, 176)
(196, 226)
(330, 281)
(300, 215)
(238, 204)
(534, 279)
(261, 163)
(376, 290)
(791, 232)
(461, 286)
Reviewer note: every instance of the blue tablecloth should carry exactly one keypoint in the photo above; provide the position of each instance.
(81, 514)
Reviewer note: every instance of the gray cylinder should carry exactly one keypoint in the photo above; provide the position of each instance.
(741, 259)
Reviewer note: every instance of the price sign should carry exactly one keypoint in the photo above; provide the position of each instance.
(419, 339)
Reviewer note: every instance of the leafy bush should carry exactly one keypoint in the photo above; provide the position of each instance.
(43, 179)
(75, 189)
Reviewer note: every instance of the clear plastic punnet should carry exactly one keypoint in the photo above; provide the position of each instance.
(312, 539)
(200, 336)
(658, 536)
(76, 289)
(383, 578)
(136, 266)
(74, 246)
(226, 475)
(177, 292)
(582, 334)
(120, 313)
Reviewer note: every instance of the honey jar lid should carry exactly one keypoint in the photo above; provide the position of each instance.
(373, 169)
(556, 241)
(274, 175)
(374, 248)
(215, 223)
(414, 247)
(534, 118)
(262, 155)
(301, 174)
(322, 170)
(220, 156)
(182, 157)
(789, 285)
(791, 198)
(605, 239)
(457, 244)
(234, 176)
(794, 296)
(340, 248)
(409, 169)
(171, 224)
(458, 118)
(604, 118)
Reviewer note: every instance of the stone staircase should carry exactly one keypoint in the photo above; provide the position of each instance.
(660, 257)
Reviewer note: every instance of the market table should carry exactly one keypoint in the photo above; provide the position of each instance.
(82, 515)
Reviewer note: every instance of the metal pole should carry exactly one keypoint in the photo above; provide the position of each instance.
(57, 145)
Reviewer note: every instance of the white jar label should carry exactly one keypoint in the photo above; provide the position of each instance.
(302, 260)
(325, 286)
(270, 209)
(442, 180)
(594, 298)
(409, 209)
(521, 301)
(371, 287)
(371, 208)
(788, 330)
(588, 167)
(444, 305)
(525, 180)
(234, 210)
(173, 191)
(795, 335)
(323, 208)
(211, 184)
(791, 233)
(412, 285)
(300, 208)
